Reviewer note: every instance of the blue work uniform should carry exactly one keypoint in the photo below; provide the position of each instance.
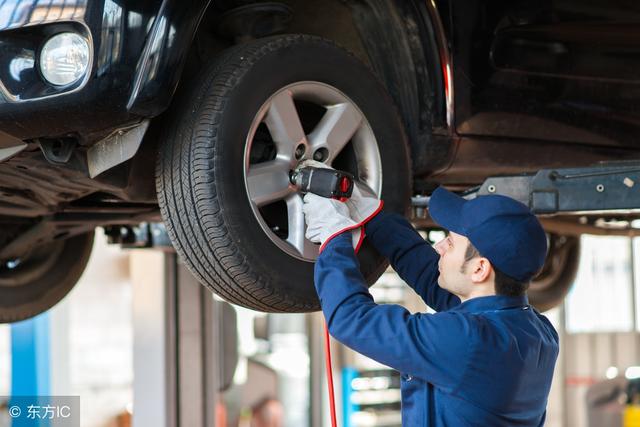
(486, 362)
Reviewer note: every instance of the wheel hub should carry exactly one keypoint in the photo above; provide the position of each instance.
(305, 120)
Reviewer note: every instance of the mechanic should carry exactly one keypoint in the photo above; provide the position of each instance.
(486, 358)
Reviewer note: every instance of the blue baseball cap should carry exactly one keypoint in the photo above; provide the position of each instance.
(501, 228)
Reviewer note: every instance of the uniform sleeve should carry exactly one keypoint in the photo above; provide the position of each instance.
(434, 347)
(413, 258)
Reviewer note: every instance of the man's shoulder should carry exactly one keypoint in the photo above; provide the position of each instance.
(548, 326)
(495, 326)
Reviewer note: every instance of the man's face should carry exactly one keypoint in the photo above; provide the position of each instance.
(453, 278)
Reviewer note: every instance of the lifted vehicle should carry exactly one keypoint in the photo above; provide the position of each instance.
(115, 113)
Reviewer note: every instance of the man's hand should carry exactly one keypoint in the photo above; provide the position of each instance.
(327, 218)
(363, 204)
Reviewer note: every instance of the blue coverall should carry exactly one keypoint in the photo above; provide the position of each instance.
(486, 362)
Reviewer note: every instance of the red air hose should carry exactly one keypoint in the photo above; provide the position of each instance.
(332, 400)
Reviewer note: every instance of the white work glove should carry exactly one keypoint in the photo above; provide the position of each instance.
(327, 218)
(363, 203)
(314, 164)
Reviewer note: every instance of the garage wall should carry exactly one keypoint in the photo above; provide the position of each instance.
(99, 335)
(587, 357)
(598, 327)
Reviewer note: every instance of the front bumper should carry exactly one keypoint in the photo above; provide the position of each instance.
(138, 49)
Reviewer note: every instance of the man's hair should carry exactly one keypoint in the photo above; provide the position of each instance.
(505, 285)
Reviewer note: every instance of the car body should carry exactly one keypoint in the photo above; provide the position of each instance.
(482, 89)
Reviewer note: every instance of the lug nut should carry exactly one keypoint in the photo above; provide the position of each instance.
(321, 154)
(300, 149)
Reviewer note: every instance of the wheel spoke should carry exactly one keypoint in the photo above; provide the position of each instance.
(284, 124)
(297, 228)
(336, 128)
(268, 182)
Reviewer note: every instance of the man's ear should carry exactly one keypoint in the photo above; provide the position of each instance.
(482, 269)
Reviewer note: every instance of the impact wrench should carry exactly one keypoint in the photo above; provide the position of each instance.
(332, 184)
(329, 183)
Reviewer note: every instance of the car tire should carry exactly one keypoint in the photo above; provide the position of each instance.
(35, 283)
(215, 142)
(549, 288)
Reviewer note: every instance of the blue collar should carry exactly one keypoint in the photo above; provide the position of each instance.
(492, 302)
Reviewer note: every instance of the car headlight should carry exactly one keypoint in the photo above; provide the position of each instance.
(64, 58)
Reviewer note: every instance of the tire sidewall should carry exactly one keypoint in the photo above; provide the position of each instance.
(51, 287)
(554, 294)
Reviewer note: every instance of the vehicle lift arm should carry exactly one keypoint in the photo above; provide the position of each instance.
(606, 187)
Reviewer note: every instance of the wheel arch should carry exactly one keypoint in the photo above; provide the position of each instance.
(411, 32)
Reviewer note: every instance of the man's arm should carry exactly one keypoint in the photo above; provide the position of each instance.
(411, 257)
(434, 347)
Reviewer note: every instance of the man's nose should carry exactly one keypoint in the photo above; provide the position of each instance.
(440, 247)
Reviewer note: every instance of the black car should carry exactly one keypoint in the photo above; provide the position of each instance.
(116, 113)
